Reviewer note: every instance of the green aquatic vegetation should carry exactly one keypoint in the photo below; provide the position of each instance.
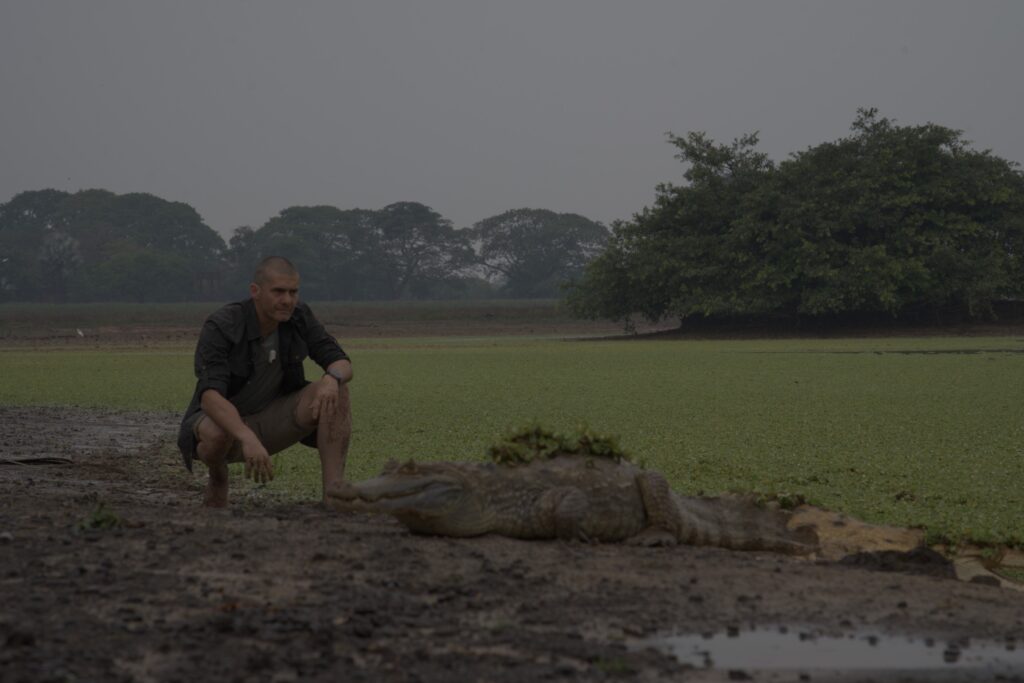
(921, 432)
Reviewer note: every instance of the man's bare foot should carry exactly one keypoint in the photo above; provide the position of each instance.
(340, 489)
(216, 496)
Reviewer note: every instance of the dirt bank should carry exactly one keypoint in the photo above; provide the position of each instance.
(281, 591)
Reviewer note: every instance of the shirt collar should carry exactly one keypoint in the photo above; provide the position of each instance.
(252, 320)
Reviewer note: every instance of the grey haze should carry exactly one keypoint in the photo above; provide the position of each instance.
(471, 107)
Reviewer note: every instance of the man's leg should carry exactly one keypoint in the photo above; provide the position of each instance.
(213, 447)
(333, 434)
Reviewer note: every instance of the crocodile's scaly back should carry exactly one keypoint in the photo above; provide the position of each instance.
(570, 497)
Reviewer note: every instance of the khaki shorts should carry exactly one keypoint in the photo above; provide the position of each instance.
(275, 426)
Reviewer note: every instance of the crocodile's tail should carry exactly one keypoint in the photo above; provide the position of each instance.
(741, 523)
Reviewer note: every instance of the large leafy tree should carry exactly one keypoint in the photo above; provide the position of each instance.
(30, 244)
(894, 218)
(890, 219)
(417, 249)
(328, 244)
(404, 250)
(534, 251)
(96, 244)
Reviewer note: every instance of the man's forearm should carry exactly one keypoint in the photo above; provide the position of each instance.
(224, 413)
(343, 368)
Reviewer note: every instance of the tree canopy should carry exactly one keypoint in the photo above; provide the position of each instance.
(404, 250)
(887, 220)
(95, 244)
(533, 252)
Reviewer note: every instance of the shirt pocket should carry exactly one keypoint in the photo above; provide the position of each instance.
(298, 351)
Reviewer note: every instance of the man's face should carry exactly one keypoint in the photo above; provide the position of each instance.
(276, 297)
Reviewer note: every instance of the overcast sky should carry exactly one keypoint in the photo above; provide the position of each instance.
(472, 107)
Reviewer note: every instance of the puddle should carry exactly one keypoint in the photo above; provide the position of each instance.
(795, 649)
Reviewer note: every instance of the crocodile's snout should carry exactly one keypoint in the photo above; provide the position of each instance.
(391, 492)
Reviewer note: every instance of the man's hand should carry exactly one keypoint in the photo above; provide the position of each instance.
(325, 399)
(258, 465)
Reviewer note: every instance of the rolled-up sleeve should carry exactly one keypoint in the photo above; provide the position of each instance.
(211, 363)
(323, 348)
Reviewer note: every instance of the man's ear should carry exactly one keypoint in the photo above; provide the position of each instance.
(254, 289)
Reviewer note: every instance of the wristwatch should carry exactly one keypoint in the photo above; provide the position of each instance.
(336, 375)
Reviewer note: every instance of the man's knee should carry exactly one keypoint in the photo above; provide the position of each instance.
(213, 441)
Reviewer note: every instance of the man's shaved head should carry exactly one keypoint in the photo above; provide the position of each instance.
(278, 265)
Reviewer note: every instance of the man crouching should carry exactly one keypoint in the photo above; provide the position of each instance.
(252, 398)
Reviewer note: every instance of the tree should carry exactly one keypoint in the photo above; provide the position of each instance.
(680, 257)
(141, 274)
(534, 251)
(403, 250)
(417, 248)
(26, 223)
(60, 246)
(895, 218)
(890, 219)
(332, 247)
(59, 259)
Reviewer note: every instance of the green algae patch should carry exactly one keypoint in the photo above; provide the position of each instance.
(100, 518)
(536, 442)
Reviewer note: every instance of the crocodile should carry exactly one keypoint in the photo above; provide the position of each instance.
(573, 497)
(543, 485)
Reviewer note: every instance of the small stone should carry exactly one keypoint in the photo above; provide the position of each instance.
(6, 537)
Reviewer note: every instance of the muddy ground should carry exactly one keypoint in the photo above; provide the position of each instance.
(110, 571)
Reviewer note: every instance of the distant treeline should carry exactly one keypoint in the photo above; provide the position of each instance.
(95, 245)
(897, 222)
(904, 222)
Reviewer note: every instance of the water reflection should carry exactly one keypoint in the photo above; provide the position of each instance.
(802, 649)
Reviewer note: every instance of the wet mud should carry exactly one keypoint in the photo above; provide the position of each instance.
(110, 570)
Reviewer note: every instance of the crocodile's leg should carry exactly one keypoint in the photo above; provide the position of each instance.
(663, 521)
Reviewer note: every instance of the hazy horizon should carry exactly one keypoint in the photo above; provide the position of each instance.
(242, 109)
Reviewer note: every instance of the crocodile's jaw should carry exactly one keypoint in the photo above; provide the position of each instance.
(428, 504)
(389, 487)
